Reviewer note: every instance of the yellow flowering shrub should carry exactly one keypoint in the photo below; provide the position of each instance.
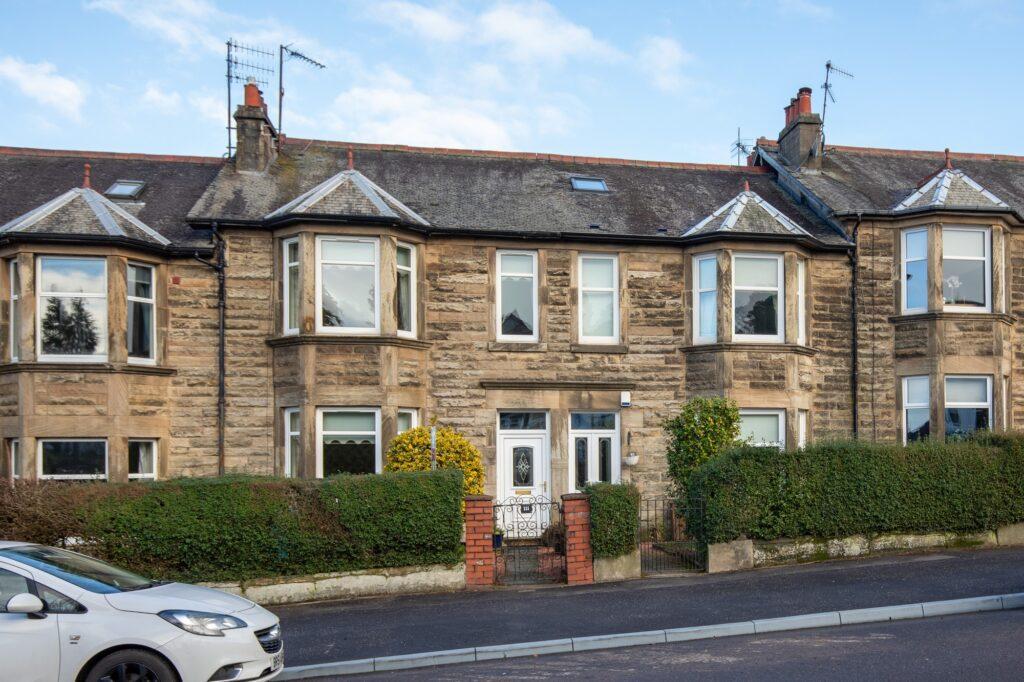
(410, 451)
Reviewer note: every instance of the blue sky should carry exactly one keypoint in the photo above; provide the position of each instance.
(652, 80)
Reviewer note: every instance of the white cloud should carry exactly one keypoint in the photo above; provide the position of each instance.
(185, 23)
(156, 96)
(486, 76)
(662, 60)
(432, 24)
(807, 8)
(535, 31)
(210, 107)
(39, 81)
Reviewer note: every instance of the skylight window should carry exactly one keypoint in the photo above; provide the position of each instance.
(589, 184)
(125, 189)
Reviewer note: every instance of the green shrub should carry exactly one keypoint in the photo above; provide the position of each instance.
(704, 428)
(614, 518)
(846, 488)
(239, 528)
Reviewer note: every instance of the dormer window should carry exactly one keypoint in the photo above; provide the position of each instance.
(125, 189)
(583, 184)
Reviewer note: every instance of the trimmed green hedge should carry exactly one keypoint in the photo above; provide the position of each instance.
(239, 528)
(839, 489)
(614, 518)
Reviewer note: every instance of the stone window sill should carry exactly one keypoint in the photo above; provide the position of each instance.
(606, 349)
(342, 340)
(512, 347)
(88, 367)
(1005, 318)
(746, 347)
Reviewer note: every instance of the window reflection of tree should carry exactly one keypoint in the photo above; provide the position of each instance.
(69, 331)
(757, 317)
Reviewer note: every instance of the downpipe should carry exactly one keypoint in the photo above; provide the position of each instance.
(854, 257)
(219, 265)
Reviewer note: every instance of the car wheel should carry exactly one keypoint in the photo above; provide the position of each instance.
(131, 665)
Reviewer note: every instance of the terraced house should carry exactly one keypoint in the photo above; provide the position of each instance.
(290, 309)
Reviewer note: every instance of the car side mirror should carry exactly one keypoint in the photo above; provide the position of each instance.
(25, 603)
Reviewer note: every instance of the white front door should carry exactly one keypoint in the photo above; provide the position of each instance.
(523, 470)
(593, 449)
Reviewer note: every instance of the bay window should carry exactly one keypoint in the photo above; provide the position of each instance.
(408, 419)
(14, 314)
(72, 309)
(916, 409)
(914, 279)
(141, 314)
(801, 428)
(966, 269)
(758, 293)
(599, 299)
(14, 452)
(349, 441)
(290, 294)
(705, 298)
(72, 459)
(142, 460)
(292, 441)
(517, 296)
(968, 405)
(346, 285)
(405, 290)
(801, 302)
(765, 428)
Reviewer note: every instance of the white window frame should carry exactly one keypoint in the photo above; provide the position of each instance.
(411, 270)
(592, 435)
(778, 413)
(802, 427)
(378, 462)
(907, 405)
(286, 293)
(41, 295)
(536, 298)
(613, 290)
(320, 327)
(986, 259)
(152, 303)
(156, 460)
(801, 302)
(988, 393)
(14, 454)
(65, 477)
(903, 270)
(780, 308)
(414, 417)
(697, 291)
(288, 433)
(13, 279)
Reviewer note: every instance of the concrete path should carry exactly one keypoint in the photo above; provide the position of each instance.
(319, 633)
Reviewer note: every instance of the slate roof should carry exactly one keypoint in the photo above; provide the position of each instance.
(348, 193)
(30, 178)
(503, 192)
(951, 188)
(747, 212)
(858, 179)
(84, 211)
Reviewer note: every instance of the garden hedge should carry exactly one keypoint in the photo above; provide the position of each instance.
(838, 489)
(614, 518)
(238, 528)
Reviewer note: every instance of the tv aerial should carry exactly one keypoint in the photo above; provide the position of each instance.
(740, 148)
(283, 52)
(827, 90)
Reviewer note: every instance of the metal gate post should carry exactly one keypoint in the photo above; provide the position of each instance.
(579, 556)
(479, 545)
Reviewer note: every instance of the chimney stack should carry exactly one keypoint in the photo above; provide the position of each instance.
(801, 136)
(255, 136)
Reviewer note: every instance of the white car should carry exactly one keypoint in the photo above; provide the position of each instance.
(70, 618)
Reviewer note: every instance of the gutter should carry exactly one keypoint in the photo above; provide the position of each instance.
(102, 240)
(219, 265)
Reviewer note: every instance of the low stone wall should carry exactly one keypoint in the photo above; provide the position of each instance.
(625, 567)
(371, 582)
(740, 555)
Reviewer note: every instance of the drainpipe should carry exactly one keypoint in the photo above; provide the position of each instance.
(855, 365)
(219, 265)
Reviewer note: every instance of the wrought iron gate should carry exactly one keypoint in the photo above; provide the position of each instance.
(531, 548)
(666, 546)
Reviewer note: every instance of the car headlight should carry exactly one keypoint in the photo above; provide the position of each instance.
(199, 623)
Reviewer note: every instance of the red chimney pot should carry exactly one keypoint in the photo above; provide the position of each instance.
(253, 96)
(803, 101)
(949, 161)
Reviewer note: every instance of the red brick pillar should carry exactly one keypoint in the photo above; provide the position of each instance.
(479, 545)
(579, 557)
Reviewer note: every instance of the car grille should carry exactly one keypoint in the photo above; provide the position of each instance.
(270, 639)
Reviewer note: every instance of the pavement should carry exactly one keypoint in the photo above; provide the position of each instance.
(344, 630)
(983, 646)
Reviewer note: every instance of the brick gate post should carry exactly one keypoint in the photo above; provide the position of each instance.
(479, 547)
(579, 557)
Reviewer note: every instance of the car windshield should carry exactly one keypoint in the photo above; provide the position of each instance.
(78, 569)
